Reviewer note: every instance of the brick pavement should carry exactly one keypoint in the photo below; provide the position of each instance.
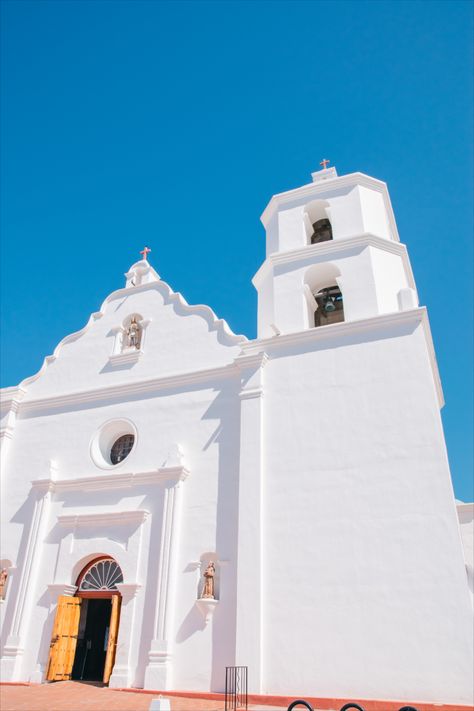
(79, 696)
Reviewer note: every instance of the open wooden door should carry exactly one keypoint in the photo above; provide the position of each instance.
(64, 639)
(113, 634)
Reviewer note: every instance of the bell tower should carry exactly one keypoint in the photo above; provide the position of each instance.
(332, 254)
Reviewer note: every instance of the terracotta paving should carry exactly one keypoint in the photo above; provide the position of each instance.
(77, 696)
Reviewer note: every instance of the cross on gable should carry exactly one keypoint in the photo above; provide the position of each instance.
(325, 162)
(145, 252)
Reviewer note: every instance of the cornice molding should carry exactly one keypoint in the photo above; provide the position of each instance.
(126, 390)
(348, 329)
(57, 589)
(114, 481)
(11, 397)
(254, 360)
(114, 518)
(314, 252)
(324, 187)
(6, 432)
(251, 393)
(128, 590)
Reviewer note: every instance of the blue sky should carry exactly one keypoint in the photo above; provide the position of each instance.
(172, 124)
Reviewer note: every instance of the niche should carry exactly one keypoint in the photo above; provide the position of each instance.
(132, 333)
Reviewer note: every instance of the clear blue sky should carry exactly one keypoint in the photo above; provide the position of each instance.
(172, 123)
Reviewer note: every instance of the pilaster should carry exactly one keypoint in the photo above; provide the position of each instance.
(158, 673)
(11, 660)
(10, 404)
(248, 651)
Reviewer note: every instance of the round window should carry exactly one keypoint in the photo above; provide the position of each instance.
(113, 442)
(121, 448)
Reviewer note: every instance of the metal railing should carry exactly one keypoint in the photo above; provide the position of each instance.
(236, 688)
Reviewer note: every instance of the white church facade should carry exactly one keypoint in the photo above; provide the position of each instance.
(177, 498)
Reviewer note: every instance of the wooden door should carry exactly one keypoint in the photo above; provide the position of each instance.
(113, 634)
(64, 639)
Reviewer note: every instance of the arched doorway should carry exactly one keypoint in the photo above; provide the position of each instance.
(86, 626)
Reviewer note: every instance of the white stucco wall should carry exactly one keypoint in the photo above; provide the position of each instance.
(363, 568)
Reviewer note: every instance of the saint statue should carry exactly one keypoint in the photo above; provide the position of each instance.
(3, 582)
(208, 589)
(132, 336)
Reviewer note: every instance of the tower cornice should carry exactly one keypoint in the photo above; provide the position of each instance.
(326, 187)
(274, 346)
(336, 248)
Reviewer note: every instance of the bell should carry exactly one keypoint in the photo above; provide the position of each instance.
(329, 306)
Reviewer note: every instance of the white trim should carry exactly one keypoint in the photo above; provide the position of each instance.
(128, 590)
(254, 359)
(125, 390)
(10, 397)
(335, 247)
(114, 518)
(320, 188)
(115, 481)
(251, 393)
(57, 589)
(348, 328)
(129, 356)
(6, 432)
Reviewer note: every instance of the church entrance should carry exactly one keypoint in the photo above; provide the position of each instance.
(92, 639)
(86, 626)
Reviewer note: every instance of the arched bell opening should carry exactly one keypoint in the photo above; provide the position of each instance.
(86, 626)
(329, 306)
(322, 231)
(317, 222)
(322, 288)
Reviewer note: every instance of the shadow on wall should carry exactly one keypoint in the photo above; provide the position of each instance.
(24, 516)
(226, 407)
(225, 410)
(154, 503)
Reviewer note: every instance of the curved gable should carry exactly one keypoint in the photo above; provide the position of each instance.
(177, 338)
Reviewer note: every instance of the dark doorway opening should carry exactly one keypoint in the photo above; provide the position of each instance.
(92, 639)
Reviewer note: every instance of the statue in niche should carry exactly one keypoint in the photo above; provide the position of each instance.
(132, 334)
(208, 589)
(3, 582)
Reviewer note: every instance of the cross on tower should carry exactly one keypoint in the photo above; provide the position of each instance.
(325, 162)
(145, 251)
